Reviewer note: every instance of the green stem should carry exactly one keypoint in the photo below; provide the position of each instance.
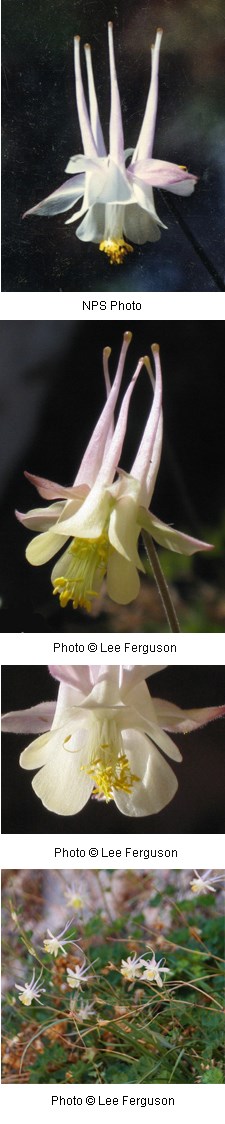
(161, 583)
(103, 894)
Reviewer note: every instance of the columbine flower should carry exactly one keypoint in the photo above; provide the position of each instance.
(152, 971)
(84, 1011)
(75, 897)
(131, 968)
(201, 885)
(78, 976)
(105, 736)
(30, 991)
(117, 199)
(101, 516)
(53, 944)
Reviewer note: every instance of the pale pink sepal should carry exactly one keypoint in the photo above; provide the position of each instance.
(145, 142)
(49, 490)
(116, 140)
(160, 173)
(169, 537)
(60, 200)
(174, 719)
(141, 465)
(93, 105)
(73, 676)
(36, 720)
(93, 456)
(111, 460)
(89, 146)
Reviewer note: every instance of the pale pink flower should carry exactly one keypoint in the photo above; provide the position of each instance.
(117, 198)
(102, 517)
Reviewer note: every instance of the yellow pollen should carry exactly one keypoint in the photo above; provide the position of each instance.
(86, 568)
(116, 250)
(109, 774)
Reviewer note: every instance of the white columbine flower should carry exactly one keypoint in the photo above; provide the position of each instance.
(117, 198)
(201, 884)
(131, 968)
(30, 991)
(77, 977)
(102, 517)
(152, 971)
(105, 736)
(75, 897)
(53, 944)
(85, 1011)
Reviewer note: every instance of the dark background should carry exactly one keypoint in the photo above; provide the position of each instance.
(198, 805)
(51, 392)
(41, 132)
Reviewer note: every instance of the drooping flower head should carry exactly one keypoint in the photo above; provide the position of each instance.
(101, 516)
(204, 883)
(53, 944)
(106, 737)
(131, 968)
(152, 971)
(30, 991)
(78, 976)
(117, 197)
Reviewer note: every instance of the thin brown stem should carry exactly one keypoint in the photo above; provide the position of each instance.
(161, 583)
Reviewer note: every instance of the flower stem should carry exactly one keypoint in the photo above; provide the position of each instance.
(161, 582)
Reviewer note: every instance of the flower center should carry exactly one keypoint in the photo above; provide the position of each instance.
(26, 998)
(85, 569)
(109, 773)
(116, 250)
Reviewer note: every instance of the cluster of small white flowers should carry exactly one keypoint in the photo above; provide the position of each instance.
(148, 971)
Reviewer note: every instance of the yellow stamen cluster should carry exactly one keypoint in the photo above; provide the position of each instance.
(116, 250)
(88, 567)
(109, 774)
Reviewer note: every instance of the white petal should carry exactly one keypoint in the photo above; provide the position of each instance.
(139, 226)
(92, 228)
(132, 676)
(61, 785)
(123, 530)
(43, 548)
(37, 752)
(143, 195)
(157, 784)
(91, 518)
(123, 583)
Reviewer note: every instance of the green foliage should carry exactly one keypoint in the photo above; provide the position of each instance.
(136, 1033)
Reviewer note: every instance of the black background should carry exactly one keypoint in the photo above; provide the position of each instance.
(198, 805)
(41, 132)
(52, 390)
